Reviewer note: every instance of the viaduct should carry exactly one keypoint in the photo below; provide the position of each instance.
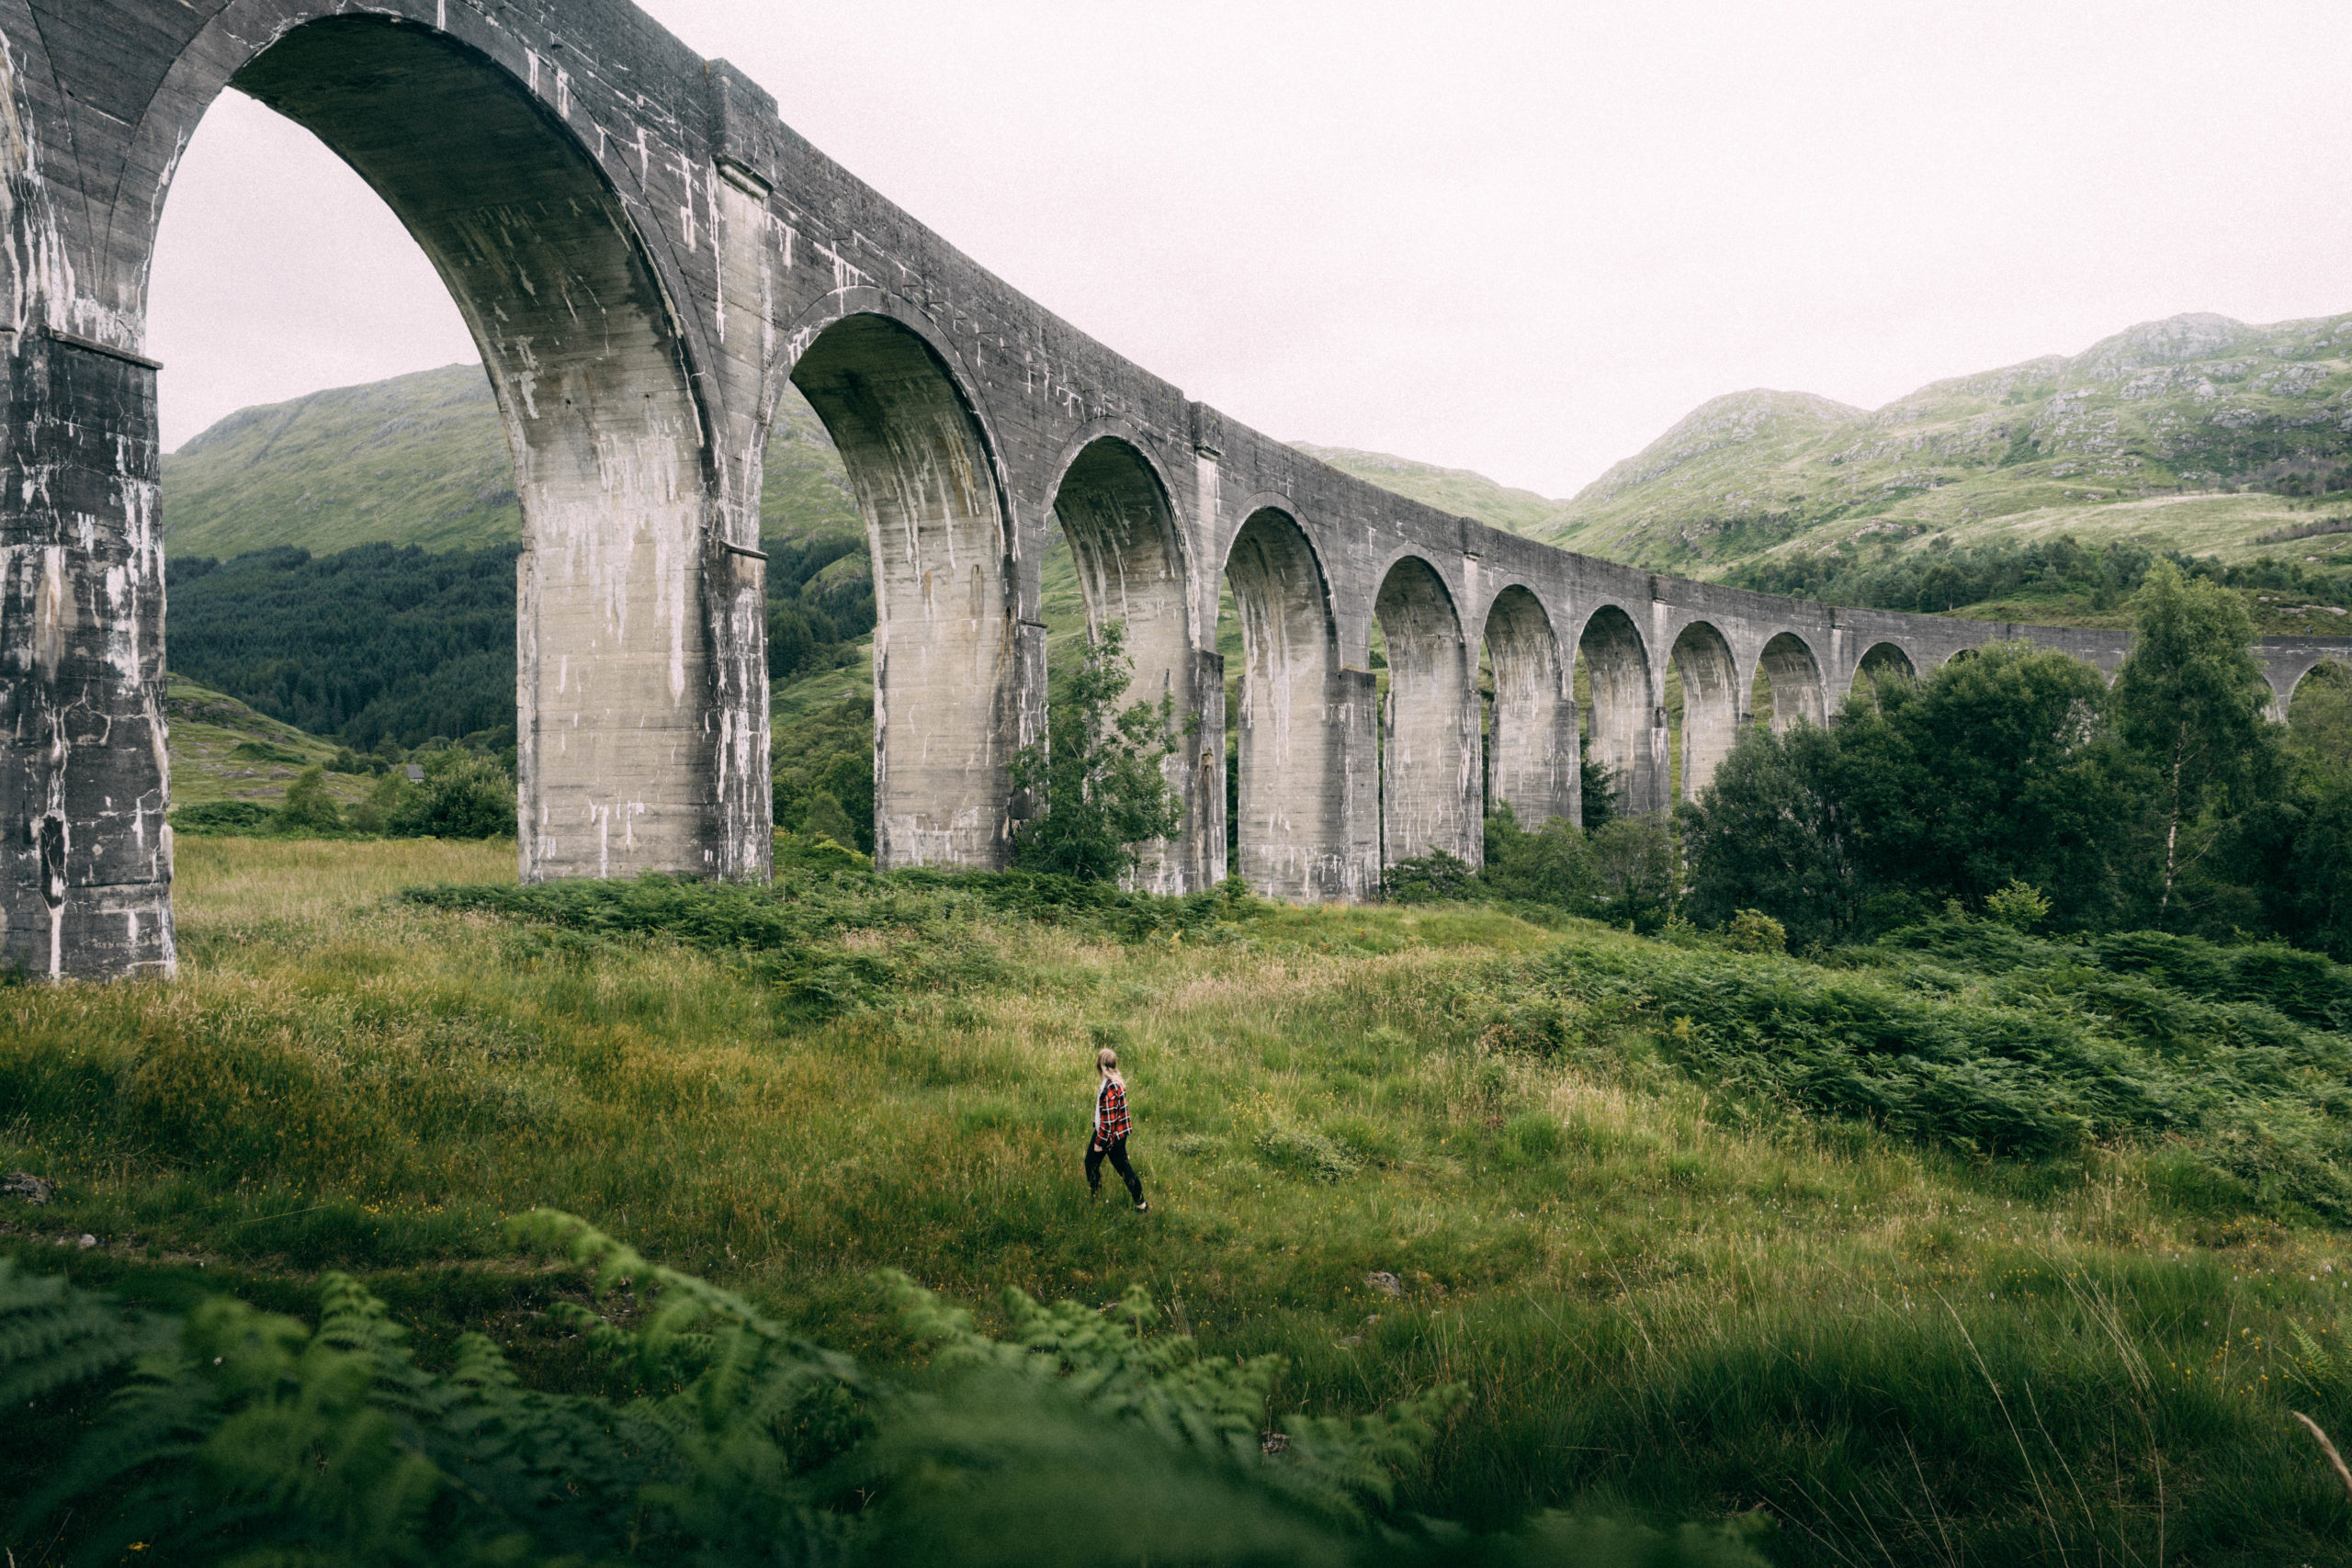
(645, 255)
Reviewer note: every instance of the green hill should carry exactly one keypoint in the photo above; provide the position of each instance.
(2197, 434)
(421, 460)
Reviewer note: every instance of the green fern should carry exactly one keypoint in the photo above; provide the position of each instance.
(249, 1438)
(53, 1335)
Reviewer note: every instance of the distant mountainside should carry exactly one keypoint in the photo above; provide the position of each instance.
(422, 459)
(2197, 434)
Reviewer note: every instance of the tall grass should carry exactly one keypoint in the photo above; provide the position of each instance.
(1667, 1295)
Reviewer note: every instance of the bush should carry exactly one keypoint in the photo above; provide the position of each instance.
(1101, 776)
(1304, 1150)
(1947, 1032)
(2020, 906)
(239, 818)
(463, 797)
(1551, 865)
(1751, 930)
(309, 808)
(1428, 879)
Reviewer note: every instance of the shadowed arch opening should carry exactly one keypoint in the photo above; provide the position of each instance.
(1531, 739)
(1883, 659)
(618, 755)
(1621, 722)
(1289, 759)
(2319, 711)
(1130, 563)
(1709, 703)
(1788, 684)
(1880, 661)
(949, 661)
(1430, 767)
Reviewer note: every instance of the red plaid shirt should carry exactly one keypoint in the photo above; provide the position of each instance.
(1111, 1121)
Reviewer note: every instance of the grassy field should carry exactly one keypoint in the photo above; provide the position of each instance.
(1668, 1296)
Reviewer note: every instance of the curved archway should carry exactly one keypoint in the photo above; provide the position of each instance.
(1624, 729)
(948, 661)
(1530, 744)
(1882, 660)
(1428, 761)
(1290, 836)
(2319, 710)
(1122, 535)
(1709, 703)
(1787, 664)
(617, 756)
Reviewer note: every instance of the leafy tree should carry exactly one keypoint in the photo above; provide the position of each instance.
(2191, 701)
(827, 751)
(1597, 788)
(1638, 865)
(1996, 768)
(826, 819)
(464, 796)
(1102, 776)
(309, 808)
(2295, 849)
(2020, 906)
(1772, 832)
(1551, 865)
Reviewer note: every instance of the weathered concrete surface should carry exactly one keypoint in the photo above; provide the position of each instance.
(645, 253)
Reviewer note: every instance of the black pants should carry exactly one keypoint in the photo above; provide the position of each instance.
(1116, 1149)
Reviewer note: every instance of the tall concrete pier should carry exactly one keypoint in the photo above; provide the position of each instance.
(645, 253)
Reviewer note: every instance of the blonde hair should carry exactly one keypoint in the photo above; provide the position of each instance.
(1107, 1059)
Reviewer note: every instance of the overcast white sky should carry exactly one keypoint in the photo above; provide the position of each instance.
(1519, 238)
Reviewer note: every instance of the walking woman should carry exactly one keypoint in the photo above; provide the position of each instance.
(1111, 1126)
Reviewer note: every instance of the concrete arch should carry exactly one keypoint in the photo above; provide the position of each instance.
(1712, 703)
(1293, 819)
(1627, 729)
(954, 681)
(217, 53)
(1531, 732)
(1111, 502)
(630, 623)
(1430, 766)
(1879, 661)
(1799, 691)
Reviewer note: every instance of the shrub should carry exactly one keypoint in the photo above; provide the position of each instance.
(1101, 776)
(1751, 930)
(1304, 1150)
(309, 808)
(1551, 865)
(464, 796)
(1639, 867)
(224, 817)
(1432, 878)
(2020, 906)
